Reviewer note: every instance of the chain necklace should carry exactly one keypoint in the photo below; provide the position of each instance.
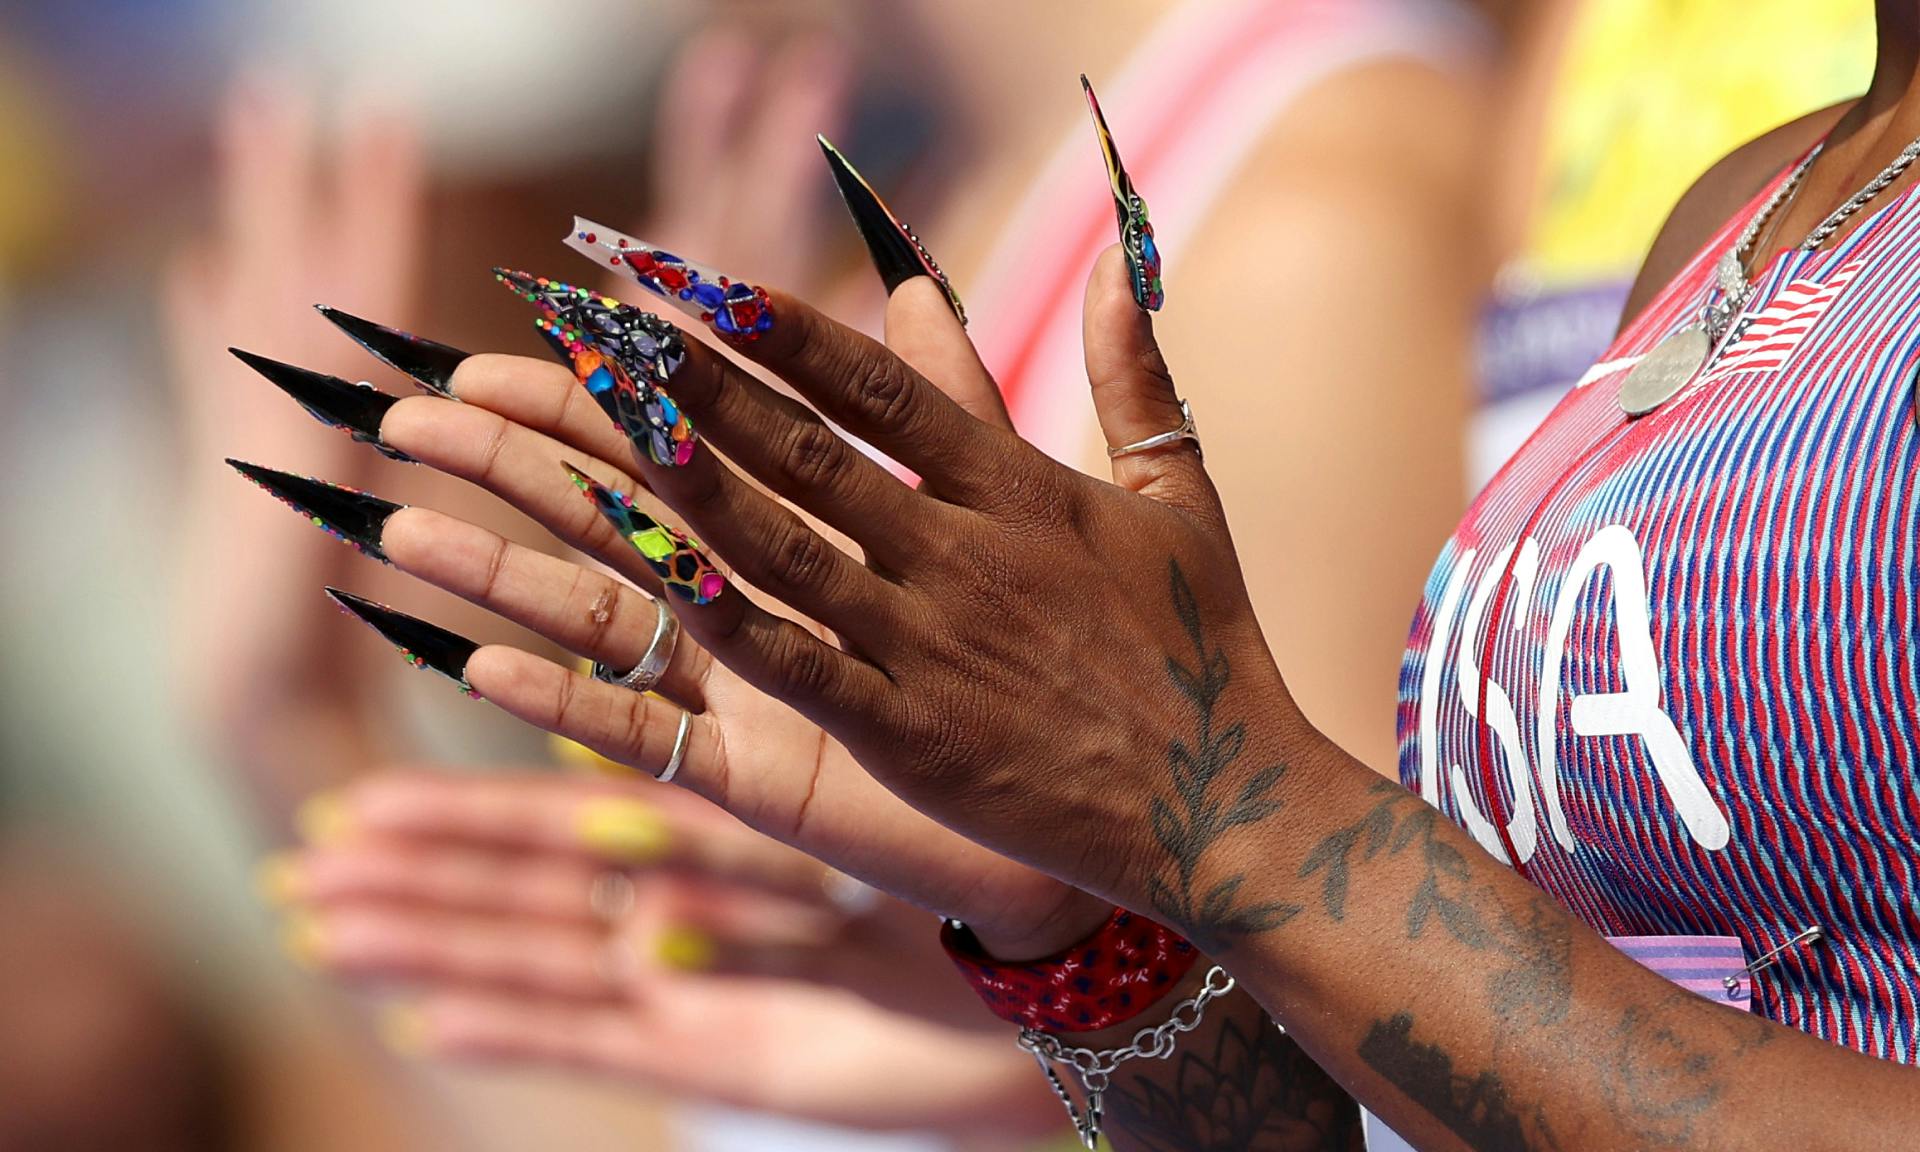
(1678, 359)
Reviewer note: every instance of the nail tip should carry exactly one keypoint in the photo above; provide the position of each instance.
(428, 363)
(354, 517)
(422, 644)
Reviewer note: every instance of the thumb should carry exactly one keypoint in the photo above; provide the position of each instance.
(1133, 391)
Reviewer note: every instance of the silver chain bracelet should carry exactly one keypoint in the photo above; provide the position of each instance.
(1095, 1068)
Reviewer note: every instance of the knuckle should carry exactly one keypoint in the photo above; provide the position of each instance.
(604, 608)
(798, 557)
(497, 559)
(812, 454)
(805, 669)
(882, 393)
(629, 725)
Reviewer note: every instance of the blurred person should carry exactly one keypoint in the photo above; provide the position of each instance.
(1610, 110)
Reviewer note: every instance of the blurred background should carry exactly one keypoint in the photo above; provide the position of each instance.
(1396, 231)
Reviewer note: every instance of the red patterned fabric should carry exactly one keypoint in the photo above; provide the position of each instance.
(1112, 976)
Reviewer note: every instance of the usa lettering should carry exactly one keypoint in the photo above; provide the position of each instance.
(1635, 712)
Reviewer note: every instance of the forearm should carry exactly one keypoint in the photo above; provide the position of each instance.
(1234, 1082)
(1467, 1009)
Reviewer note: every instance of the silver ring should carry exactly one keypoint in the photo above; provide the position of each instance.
(1186, 431)
(653, 664)
(679, 748)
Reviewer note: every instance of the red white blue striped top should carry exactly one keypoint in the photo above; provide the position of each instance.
(1668, 667)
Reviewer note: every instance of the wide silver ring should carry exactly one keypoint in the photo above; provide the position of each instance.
(679, 752)
(1186, 431)
(653, 664)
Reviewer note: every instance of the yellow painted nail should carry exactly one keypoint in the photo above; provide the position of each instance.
(403, 1029)
(685, 949)
(276, 880)
(304, 939)
(584, 761)
(622, 829)
(323, 818)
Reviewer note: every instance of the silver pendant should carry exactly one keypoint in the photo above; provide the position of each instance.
(1664, 371)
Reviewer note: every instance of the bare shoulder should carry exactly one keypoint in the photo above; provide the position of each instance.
(1717, 195)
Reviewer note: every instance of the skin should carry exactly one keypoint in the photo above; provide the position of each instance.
(1509, 1026)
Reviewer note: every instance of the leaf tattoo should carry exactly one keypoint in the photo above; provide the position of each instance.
(1197, 816)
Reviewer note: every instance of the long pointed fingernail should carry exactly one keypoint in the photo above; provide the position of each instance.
(421, 644)
(1136, 233)
(897, 253)
(356, 409)
(730, 307)
(672, 555)
(684, 949)
(323, 818)
(346, 514)
(429, 362)
(621, 355)
(278, 881)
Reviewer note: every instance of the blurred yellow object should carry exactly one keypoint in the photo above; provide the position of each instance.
(1653, 92)
(277, 880)
(685, 949)
(304, 940)
(626, 830)
(33, 169)
(578, 757)
(402, 1027)
(323, 819)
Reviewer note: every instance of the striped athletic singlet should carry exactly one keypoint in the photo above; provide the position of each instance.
(1667, 667)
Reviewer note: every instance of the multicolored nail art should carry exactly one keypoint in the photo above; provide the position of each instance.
(346, 514)
(672, 555)
(421, 644)
(897, 253)
(1136, 234)
(730, 307)
(429, 362)
(355, 409)
(621, 355)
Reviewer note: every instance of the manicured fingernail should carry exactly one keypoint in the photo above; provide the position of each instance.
(1136, 234)
(323, 819)
(304, 939)
(403, 1028)
(356, 409)
(684, 949)
(622, 829)
(346, 514)
(730, 307)
(276, 880)
(429, 362)
(621, 355)
(421, 644)
(672, 555)
(897, 253)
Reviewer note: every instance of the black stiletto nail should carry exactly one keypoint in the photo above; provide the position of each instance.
(421, 644)
(355, 409)
(1130, 211)
(346, 514)
(897, 253)
(429, 362)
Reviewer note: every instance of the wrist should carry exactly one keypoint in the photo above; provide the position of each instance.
(1075, 917)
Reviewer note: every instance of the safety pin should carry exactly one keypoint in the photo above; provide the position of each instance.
(1811, 934)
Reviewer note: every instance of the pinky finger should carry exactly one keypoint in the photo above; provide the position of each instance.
(641, 730)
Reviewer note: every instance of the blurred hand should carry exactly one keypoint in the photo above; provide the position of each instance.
(737, 175)
(630, 928)
(288, 231)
